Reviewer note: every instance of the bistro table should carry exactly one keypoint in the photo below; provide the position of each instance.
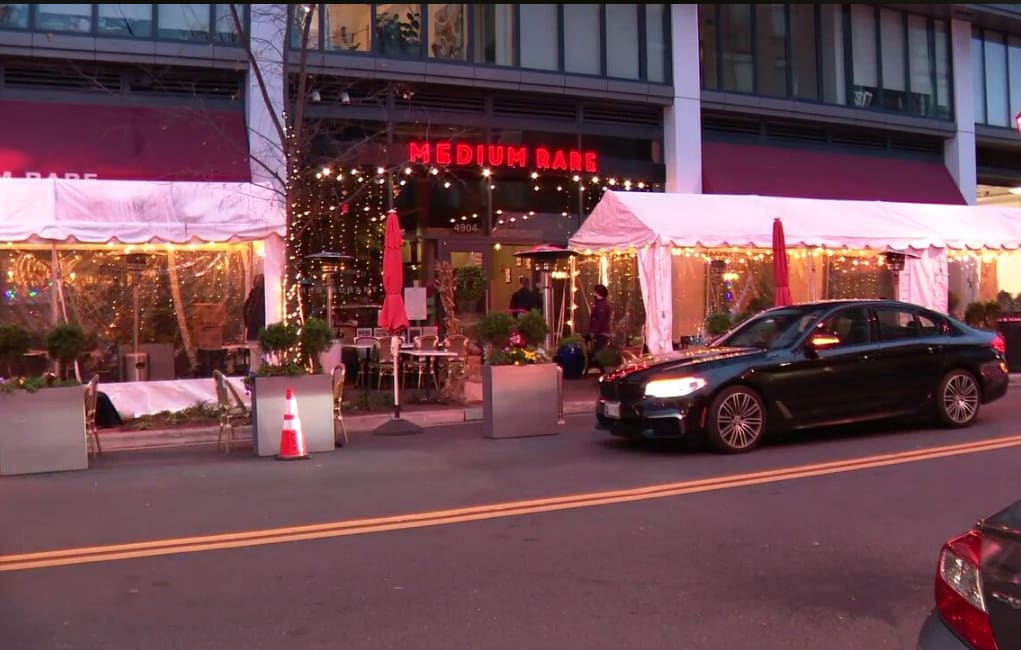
(430, 356)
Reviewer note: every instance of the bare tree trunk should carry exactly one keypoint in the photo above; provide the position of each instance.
(182, 320)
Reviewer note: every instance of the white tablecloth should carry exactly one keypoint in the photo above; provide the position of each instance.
(135, 398)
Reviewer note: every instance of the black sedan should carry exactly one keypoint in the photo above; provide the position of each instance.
(978, 588)
(808, 365)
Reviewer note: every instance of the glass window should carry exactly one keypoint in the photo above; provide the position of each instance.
(707, 45)
(1014, 65)
(897, 324)
(931, 326)
(804, 67)
(582, 39)
(622, 49)
(125, 20)
(771, 41)
(14, 16)
(226, 31)
(851, 326)
(941, 45)
(539, 46)
(64, 18)
(494, 34)
(447, 33)
(736, 69)
(399, 30)
(996, 80)
(831, 60)
(348, 27)
(919, 60)
(865, 76)
(891, 34)
(296, 28)
(184, 22)
(978, 71)
(655, 43)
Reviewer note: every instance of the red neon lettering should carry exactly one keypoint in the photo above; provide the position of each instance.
(480, 155)
(542, 158)
(590, 161)
(494, 154)
(443, 153)
(575, 160)
(559, 161)
(418, 152)
(517, 157)
(464, 154)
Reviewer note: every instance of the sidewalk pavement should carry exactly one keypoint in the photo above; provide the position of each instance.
(578, 400)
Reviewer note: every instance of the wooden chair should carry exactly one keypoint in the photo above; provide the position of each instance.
(233, 411)
(91, 428)
(384, 363)
(422, 366)
(339, 374)
(457, 343)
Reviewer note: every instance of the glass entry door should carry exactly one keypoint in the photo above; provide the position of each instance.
(476, 257)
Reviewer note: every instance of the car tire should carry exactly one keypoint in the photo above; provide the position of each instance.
(958, 399)
(737, 420)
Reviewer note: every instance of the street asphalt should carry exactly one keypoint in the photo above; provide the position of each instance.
(842, 560)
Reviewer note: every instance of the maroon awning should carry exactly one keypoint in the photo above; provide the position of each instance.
(122, 142)
(774, 171)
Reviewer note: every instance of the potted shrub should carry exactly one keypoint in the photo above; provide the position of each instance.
(65, 344)
(282, 345)
(571, 356)
(316, 338)
(519, 383)
(14, 342)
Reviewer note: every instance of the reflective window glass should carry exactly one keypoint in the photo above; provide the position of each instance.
(64, 18)
(622, 48)
(771, 41)
(184, 22)
(736, 67)
(493, 38)
(707, 45)
(447, 32)
(399, 30)
(539, 45)
(582, 39)
(656, 46)
(348, 27)
(14, 16)
(125, 20)
(226, 30)
(995, 51)
(804, 67)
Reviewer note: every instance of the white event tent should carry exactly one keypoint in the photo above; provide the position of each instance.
(654, 223)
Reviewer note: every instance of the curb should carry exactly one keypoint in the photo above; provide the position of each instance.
(357, 424)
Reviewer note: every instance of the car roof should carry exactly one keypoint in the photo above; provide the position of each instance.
(840, 302)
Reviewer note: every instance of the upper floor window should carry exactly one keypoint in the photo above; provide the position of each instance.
(857, 55)
(622, 41)
(996, 59)
(180, 22)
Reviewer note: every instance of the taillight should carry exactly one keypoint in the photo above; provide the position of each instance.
(959, 597)
(1000, 344)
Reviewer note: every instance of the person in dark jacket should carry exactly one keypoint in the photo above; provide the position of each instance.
(255, 309)
(521, 300)
(600, 323)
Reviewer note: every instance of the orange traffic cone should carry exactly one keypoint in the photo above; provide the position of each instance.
(292, 440)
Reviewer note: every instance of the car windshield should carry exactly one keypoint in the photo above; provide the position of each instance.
(771, 330)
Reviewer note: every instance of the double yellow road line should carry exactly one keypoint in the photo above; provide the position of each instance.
(174, 546)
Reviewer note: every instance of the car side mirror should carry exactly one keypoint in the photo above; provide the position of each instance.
(821, 341)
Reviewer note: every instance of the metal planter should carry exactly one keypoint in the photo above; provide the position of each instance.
(520, 401)
(43, 431)
(314, 396)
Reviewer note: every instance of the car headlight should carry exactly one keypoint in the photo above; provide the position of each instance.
(676, 387)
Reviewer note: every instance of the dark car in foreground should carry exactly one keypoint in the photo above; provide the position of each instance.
(808, 365)
(978, 588)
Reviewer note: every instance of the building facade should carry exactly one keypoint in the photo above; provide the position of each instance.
(507, 121)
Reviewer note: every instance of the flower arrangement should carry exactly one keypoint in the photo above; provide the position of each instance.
(34, 383)
(513, 342)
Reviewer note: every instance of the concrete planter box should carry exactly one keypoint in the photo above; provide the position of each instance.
(520, 401)
(43, 431)
(314, 395)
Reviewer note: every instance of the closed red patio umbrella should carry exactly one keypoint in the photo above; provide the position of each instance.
(393, 317)
(781, 271)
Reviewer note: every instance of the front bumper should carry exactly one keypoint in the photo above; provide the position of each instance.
(651, 418)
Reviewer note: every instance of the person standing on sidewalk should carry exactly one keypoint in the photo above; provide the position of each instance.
(600, 320)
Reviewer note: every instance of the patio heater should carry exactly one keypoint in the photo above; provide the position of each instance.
(545, 259)
(136, 364)
(331, 264)
(895, 261)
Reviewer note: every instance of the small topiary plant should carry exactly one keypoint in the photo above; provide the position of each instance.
(532, 327)
(65, 343)
(14, 342)
(316, 338)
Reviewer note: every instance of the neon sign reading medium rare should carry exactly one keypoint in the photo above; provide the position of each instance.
(502, 155)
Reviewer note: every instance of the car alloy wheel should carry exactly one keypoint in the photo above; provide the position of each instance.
(737, 420)
(958, 399)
